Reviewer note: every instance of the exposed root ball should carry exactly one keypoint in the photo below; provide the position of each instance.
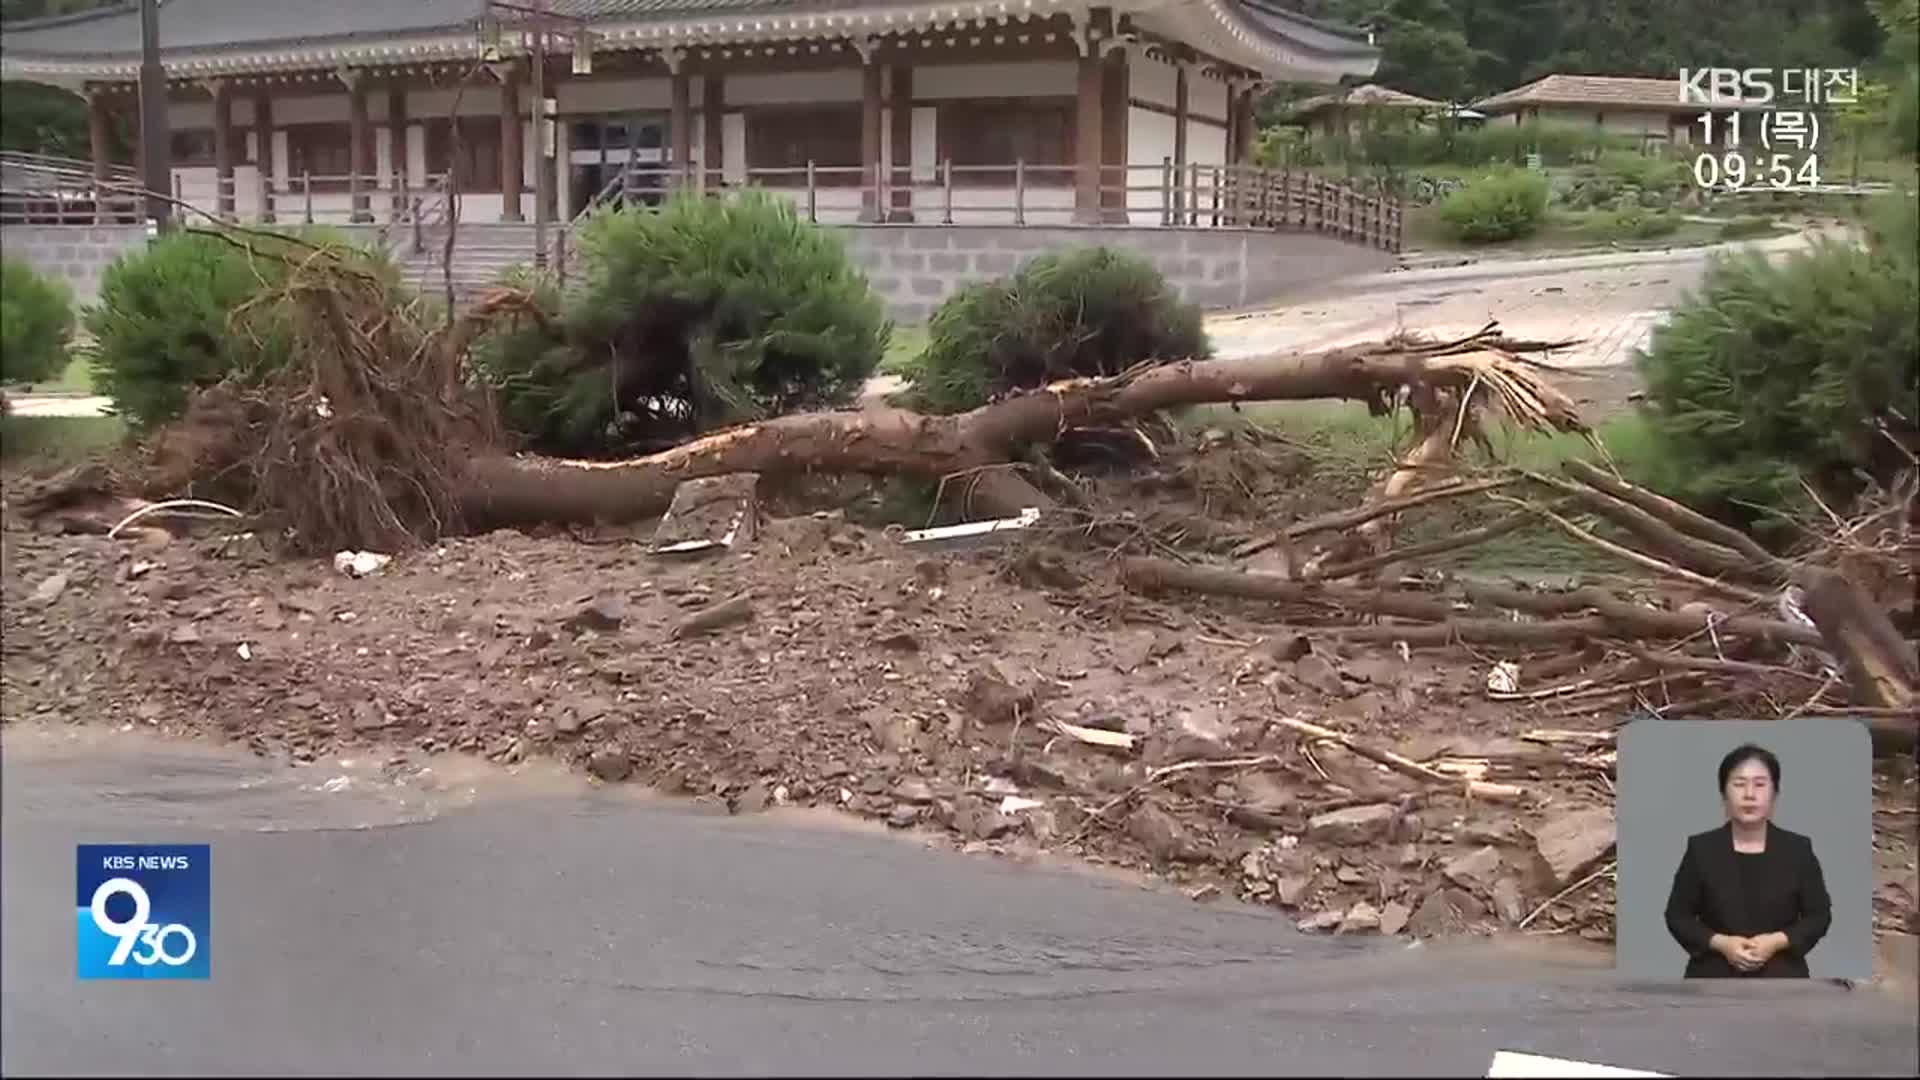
(361, 438)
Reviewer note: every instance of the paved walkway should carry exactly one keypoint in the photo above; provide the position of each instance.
(1611, 301)
(58, 404)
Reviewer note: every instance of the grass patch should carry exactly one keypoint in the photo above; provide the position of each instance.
(75, 378)
(58, 440)
(907, 343)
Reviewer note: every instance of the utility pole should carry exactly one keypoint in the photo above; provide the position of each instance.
(156, 142)
(538, 17)
(540, 136)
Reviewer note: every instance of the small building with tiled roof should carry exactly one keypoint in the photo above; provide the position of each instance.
(1652, 109)
(1338, 113)
(277, 106)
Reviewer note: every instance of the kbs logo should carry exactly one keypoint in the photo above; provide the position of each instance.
(143, 911)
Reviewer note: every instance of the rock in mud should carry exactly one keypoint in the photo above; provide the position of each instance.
(1291, 889)
(1360, 918)
(610, 765)
(1393, 918)
(600, 614)
(49, 590)
(1571, 844)
(1164, 836)
(912, 789)
(1354, 825)
(755, 798)
(1319, 673)
(1476, 870)
(1506, 901)
(1321, 921)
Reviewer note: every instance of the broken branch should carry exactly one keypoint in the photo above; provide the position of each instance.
(1658, 566)
(1402, 765)
(1702, 556)
(1347, 519)
(1681, 517)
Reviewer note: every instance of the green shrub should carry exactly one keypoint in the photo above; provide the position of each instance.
(1777, 372)
(1632, 223)
(1502, 206)
(1494, 144)
(1090, 311)
(162, 326)
(36, 318)
(705, 313)
(1619, 179)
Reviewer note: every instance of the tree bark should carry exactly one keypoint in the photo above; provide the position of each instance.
(520, 490)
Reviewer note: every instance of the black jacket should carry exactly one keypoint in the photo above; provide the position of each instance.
(1783, 890)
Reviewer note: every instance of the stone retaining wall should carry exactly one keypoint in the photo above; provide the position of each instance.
(914, 267)
(75, 254)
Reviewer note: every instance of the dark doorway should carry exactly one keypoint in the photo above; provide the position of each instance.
(602, 148)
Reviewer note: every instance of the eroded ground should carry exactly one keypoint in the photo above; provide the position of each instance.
(908, 689)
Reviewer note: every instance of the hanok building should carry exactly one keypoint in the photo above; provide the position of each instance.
(879, 112)
(1650, 109)
(1344, 114)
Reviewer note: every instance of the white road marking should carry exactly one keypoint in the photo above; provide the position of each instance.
(1509, 1063)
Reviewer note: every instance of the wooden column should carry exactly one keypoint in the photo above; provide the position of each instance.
(680, 126)
(1087, 128)
(360, 139)
(900, 179)
(222, 147)
(1179, 139)
(1233, 122)
(713, 102)
(99, 134)
(1243, 125)
(512, 148)
(263, 153)
(1113, 135)
(397, 143)
(870, 142)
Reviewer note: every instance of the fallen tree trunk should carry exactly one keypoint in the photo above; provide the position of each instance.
(1622, 618)
(1880, 665)
(505, 491)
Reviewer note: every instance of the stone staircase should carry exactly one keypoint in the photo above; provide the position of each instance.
(482, 252)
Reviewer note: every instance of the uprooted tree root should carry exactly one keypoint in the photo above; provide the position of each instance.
(362, 437)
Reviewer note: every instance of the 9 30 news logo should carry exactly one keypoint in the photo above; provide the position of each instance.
(143, 911)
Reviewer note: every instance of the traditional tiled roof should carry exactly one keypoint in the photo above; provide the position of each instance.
(1594, 91)
(1368, 94)
(199, 38)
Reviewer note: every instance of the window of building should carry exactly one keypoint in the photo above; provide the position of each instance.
(193, 147)
(789, 137)
(478, 166)
(322, 152)
(1032, 131)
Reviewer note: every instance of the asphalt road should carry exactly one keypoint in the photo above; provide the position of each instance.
(521, 924)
